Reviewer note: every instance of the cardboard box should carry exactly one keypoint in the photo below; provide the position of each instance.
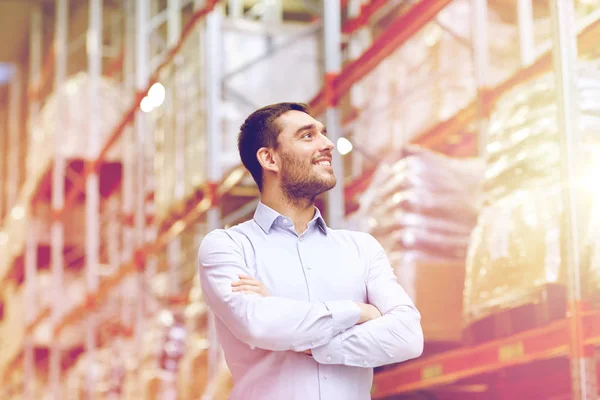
(437, 290)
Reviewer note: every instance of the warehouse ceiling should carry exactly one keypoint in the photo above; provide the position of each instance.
(14, 19)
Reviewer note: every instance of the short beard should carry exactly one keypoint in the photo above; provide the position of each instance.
(297, 186)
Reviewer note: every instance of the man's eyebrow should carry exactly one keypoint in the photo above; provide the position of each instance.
(308, 127)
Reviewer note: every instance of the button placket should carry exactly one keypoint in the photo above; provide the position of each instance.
(303, 258)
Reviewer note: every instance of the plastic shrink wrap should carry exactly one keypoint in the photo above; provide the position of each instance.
(517, 247)
(421, 202)
(523, 143)
(421, 207)
(419, 85)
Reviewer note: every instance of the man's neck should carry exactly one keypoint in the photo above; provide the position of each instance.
(300, 212)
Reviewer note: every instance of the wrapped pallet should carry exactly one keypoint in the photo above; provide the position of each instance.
(420, 206)
(516, 255)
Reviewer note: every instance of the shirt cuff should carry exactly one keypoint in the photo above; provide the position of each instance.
(345, 314)
(331, 353)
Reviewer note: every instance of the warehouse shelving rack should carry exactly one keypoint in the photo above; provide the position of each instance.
(440, 369)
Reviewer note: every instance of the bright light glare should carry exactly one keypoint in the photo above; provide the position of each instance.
(344, 146)
(156, 94)
(146, 105)
(166, 318)
(17, 212)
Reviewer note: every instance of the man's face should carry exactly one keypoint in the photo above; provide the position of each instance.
(305, 156)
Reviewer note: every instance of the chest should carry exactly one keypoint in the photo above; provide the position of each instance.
(313, 268)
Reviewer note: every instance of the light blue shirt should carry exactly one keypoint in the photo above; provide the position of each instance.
(314, 280)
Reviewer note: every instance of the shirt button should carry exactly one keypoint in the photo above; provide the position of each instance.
(325, 376)
(300, 238)
(308, 266)
(328, 358)
(312, 344)
(365, 363)
(285, 221)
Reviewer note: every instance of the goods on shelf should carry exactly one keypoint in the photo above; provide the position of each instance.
(73, 115)
(421, 207)
(13, 324)
(429, 78)
(69, 108)
(523, 141)
(516, 251)
(421, 202)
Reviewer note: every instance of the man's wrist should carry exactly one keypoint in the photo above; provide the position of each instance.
(345, 314)
(367, 312)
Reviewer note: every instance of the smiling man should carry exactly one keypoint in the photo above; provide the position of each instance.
(303, 311)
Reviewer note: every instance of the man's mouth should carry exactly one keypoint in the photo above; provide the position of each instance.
(326, 163)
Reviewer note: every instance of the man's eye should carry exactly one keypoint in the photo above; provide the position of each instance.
(307, 135)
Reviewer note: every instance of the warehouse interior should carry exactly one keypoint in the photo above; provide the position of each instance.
(464, 131)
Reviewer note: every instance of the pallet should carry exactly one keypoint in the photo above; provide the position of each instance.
(551, 305)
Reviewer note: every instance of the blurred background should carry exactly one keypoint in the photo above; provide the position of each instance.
(467, 135)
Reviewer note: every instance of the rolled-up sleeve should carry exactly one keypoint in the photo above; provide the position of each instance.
(394, 337)
(272, 322)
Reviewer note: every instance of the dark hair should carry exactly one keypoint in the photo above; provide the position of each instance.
(261, 129)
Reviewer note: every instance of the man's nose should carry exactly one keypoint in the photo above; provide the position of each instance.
(327, 144)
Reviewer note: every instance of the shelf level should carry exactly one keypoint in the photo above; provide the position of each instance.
(445, 368)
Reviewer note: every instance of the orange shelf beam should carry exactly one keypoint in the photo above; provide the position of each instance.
(366, 12)
(445, 368)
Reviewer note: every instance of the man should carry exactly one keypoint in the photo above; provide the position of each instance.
(303, 311)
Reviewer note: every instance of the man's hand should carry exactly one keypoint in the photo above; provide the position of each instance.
(367, 312)
(248, 284)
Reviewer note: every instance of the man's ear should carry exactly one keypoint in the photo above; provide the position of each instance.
(267, 159)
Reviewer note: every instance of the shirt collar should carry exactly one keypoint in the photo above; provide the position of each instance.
(265, 217)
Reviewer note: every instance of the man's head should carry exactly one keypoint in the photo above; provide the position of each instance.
(282, 143)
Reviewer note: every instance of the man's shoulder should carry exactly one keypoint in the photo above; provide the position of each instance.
(234, 233)
(223, 240)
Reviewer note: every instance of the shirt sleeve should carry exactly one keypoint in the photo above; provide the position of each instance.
(272, 322)
(394, 337)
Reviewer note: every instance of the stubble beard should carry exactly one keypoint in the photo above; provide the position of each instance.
(300, 183)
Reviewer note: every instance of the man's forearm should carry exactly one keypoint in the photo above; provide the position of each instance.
(280, 324)
(393, 338)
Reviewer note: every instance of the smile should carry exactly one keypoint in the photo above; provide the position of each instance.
(324, 162)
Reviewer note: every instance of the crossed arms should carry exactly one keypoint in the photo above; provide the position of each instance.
(336, 332)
